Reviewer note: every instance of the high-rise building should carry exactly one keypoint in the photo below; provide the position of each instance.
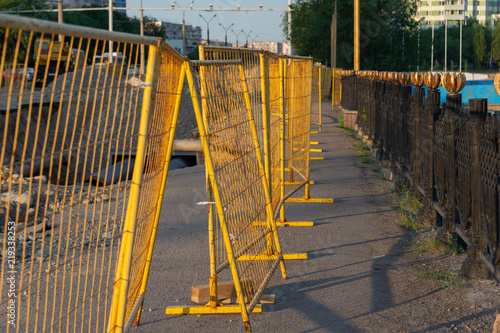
(438, 12)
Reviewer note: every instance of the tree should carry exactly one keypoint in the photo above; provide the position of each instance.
(388, 32)
(495, 44)
(479, 45)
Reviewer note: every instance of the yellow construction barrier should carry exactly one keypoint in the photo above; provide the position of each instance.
(242, 228)
(299, 85)
(336, 86)
(84, 158)
(322, 84)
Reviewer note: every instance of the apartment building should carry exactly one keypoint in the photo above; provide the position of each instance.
(438, 12)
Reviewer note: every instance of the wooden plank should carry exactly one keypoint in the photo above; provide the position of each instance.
(225, 289)
(264, 299)
(201, 294)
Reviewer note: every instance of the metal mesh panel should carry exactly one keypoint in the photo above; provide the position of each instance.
(70, 130)
(316, 96)
(464, 170)
(252, 66)
(440, 161)
(276, 126)
(489, 166)
(234, 163)
(161, 133)
(298, 102)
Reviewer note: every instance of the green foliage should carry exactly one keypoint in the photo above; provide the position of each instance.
(407, 200)
(466, 66)
(361, 146)
(447, 279)
(495, 44)
(375, 169)
(366, 160)
(388, 32)
(408, 204)
(445, 244)
(452, 66)
(436, 65)
(479, 44)
(408, 221)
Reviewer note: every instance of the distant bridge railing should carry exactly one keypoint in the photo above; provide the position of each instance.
(449, 152)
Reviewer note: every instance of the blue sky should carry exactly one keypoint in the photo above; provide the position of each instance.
(264, 25)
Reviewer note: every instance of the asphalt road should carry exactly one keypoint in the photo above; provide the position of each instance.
(351, 247)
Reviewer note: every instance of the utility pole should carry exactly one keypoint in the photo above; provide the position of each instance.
(356, 35)
(174, 3)
(432, 48)
(142, 45)
(60, 15)
(290, 26)
(460, 68)
(445, 44)
(110, 12)
(333, 61)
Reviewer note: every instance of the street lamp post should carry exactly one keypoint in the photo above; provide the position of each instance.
(246, 35)
(225, 32)
(174, 3)
(237, 35)
(208, 27)
(253, 40)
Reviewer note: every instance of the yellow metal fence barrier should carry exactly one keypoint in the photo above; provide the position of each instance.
(85, 148)
(299, 94)
(247, 241)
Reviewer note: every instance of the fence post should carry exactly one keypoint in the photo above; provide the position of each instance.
(473, 266)
(431, 113)
(379, 106)
(386, 120)
(403, 142)
(453, 106)
(418, 101)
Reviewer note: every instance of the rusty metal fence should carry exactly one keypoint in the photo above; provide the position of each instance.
(449, 152)
(85, 149)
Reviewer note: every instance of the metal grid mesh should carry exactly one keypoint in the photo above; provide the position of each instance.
(316, 96)
(69, 136)
(276, 125)
(298, 101)
(244, 210)
(252, 66)
(161, 133)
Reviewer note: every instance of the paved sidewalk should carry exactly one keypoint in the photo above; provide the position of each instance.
(353, 281)
(349, 249)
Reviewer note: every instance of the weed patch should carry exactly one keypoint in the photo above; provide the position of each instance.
(445, 244)
(446, 279)
(408, 204)
(366, 160)
(407, 220)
